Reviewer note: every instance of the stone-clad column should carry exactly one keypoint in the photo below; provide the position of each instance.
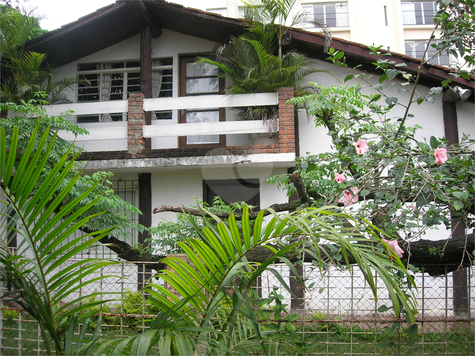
(135, 123)
(286, 121)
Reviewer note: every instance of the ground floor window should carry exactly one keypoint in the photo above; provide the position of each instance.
(232, 191)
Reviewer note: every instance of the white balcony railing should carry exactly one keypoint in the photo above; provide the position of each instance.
(116, 132)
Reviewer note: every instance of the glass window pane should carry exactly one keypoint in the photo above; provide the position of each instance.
(199, 117)
(341, 10)
(330, 15)
(429, 11)
(200, 70)
(408, 13)
(202, 86)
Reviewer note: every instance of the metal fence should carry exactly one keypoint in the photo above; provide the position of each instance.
(336, 315)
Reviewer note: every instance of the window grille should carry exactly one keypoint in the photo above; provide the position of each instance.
(418, 12)
(116, 80)
(333, 14)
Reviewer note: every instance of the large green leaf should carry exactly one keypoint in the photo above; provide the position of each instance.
(37, 211)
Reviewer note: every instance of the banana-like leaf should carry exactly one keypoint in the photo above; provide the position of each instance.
(36, 209)
(207, 294)
(357, 238)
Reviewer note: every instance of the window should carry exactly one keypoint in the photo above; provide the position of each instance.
(416, 49)
(245, 12)
(418, 12)
(116, 80)
(200, 79)
(232, 191)
(333, 14)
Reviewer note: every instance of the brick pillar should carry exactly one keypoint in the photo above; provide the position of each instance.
(286, 121)
(135, 122)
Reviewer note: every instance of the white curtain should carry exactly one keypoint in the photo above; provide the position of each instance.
(156, 79)
(341, 10)
(106, 82)
(408, 13)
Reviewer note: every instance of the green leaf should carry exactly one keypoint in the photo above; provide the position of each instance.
(434, 142)
(423, 146)
(364, 192)
(392, 73)
(349, 77)
(458, 205)
(45, 215)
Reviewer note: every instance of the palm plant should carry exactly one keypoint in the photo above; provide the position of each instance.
(272, 16)
(208, 308)
(36, 211)
(255, 62)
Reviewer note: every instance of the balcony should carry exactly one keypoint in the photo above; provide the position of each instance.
(157, 141)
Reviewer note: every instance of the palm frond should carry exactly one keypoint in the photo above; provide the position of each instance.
(39, 215)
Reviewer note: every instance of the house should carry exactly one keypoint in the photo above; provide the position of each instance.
(164, 126)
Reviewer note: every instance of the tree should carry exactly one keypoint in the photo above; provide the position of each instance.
(25, 73)
(456, 19)
(108, 211)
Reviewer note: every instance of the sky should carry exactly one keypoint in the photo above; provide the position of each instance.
(56, 13)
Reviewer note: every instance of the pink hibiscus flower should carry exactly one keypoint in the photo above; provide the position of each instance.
(440, 155)
(395, 247)
(340, 177)
(361, 146)
(348, 197)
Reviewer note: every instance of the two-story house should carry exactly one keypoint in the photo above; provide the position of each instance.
(164, 125)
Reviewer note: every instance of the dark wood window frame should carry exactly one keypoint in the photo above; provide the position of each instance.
(232, 189)
(184, 60)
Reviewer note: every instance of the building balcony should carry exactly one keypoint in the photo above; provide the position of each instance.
(139, 144)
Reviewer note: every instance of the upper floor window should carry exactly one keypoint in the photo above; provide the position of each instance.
(200, 79)
(246, 13)
(332, 14)
(418, 12)
(116, 80)
(416, 49)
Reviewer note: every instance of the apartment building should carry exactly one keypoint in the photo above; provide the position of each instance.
(399, 26)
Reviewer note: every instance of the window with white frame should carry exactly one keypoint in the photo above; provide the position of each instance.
(245, 12)
(416, 49)
(116, 80)
(332, 14)
(418, 12)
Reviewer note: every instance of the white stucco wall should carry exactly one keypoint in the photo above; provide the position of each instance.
(427, 115)
(181, 187)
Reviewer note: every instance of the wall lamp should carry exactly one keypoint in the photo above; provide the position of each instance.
(463, 94)
(453, 94)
